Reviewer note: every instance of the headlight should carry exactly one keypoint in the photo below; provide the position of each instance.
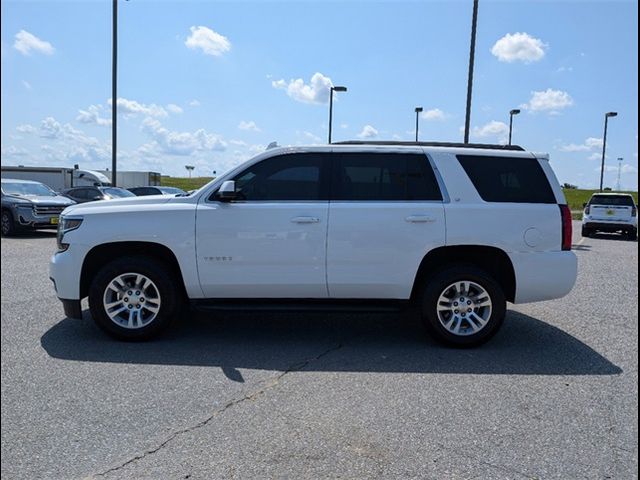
(66, 225)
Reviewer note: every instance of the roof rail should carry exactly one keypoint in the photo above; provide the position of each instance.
(485, 146)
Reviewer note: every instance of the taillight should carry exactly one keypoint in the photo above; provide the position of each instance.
(634, 211)
(567, 227)
(587, 209)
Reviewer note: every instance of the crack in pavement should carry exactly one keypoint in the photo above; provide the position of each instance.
(267, 385)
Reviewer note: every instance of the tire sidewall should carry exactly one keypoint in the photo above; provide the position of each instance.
(434, 288)
(12, 225)
(151, 269)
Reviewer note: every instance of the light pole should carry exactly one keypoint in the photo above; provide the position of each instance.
(472, 54)
(333, 89)
(513, 112)
(418, 110)
(618, 186)
(114, 92)
(604, 144)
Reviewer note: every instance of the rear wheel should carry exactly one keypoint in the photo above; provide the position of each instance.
(133, 298)
(463, 306)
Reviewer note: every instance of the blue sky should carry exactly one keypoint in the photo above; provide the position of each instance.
(210, 84)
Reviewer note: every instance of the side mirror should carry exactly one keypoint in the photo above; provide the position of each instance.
(227, 191)
(97, 197)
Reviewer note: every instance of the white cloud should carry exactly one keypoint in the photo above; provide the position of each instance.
(26, 85)
(316, 91)
(250, 125)
(26, 128)
(92, 115)
(589, 144)
(548, 100)
(194, 103)
(131, 107)
(175, 109)
(344, 125)
(13, 151)
(27, 42)
(519, 47)
(624, 169)
(182, 143)
(311, 137)
(595, 156)
(368, 132)
(495, 129)
(434, 114)
(210, 42)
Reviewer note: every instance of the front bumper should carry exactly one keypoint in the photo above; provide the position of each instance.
(65, 270)
(27, 217)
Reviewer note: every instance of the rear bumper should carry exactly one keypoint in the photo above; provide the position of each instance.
(544, 275)
(613, 226)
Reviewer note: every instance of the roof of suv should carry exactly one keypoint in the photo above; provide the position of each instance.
(482, 146)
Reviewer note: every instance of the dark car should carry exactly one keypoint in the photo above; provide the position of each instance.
(30, 205)
(90, 194)
(144, 191)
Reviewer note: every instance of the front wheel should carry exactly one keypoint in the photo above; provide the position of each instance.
(463, 306)
(8, 224)
(133, 298)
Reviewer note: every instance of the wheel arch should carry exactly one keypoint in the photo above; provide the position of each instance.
(493, 260)
(100, 255)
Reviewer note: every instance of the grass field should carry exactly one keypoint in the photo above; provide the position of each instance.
(185, 184)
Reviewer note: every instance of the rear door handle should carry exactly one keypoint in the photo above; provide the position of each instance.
(305, 220)
(420, 219)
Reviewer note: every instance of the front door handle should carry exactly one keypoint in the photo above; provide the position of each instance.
(420, 219)
(305, 220)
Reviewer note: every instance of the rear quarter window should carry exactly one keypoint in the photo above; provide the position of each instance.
(508, 179)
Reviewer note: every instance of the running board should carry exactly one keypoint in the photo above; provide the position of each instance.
(285, 305)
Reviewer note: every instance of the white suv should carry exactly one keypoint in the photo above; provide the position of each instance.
(610, 212)
(456, 230)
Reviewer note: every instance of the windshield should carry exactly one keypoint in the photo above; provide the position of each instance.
(118, 192)
(619, 200)
(171, 190)
(27, 189)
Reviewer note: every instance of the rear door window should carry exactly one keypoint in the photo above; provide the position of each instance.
(384, 177)
(508, 179)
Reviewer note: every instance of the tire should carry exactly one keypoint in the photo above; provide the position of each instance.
(586, 232)
(484, 321)
(9, 226)
(147, 317)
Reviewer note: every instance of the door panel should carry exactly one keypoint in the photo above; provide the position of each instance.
(271, 243)
(262, 250)
(386, 213)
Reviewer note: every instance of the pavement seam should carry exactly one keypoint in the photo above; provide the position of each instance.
(267, 385)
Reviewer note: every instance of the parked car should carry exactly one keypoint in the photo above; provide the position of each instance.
(611, 212)
(90, 194)
(30, 205)
(454, 230)
(144, 191)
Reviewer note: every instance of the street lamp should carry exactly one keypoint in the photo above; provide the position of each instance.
(114, 92)
(513, 112)
(418, 110)
(604, 144)
(333, 89)
(472, 55)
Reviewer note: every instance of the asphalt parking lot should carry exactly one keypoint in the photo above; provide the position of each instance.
(319, 395)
